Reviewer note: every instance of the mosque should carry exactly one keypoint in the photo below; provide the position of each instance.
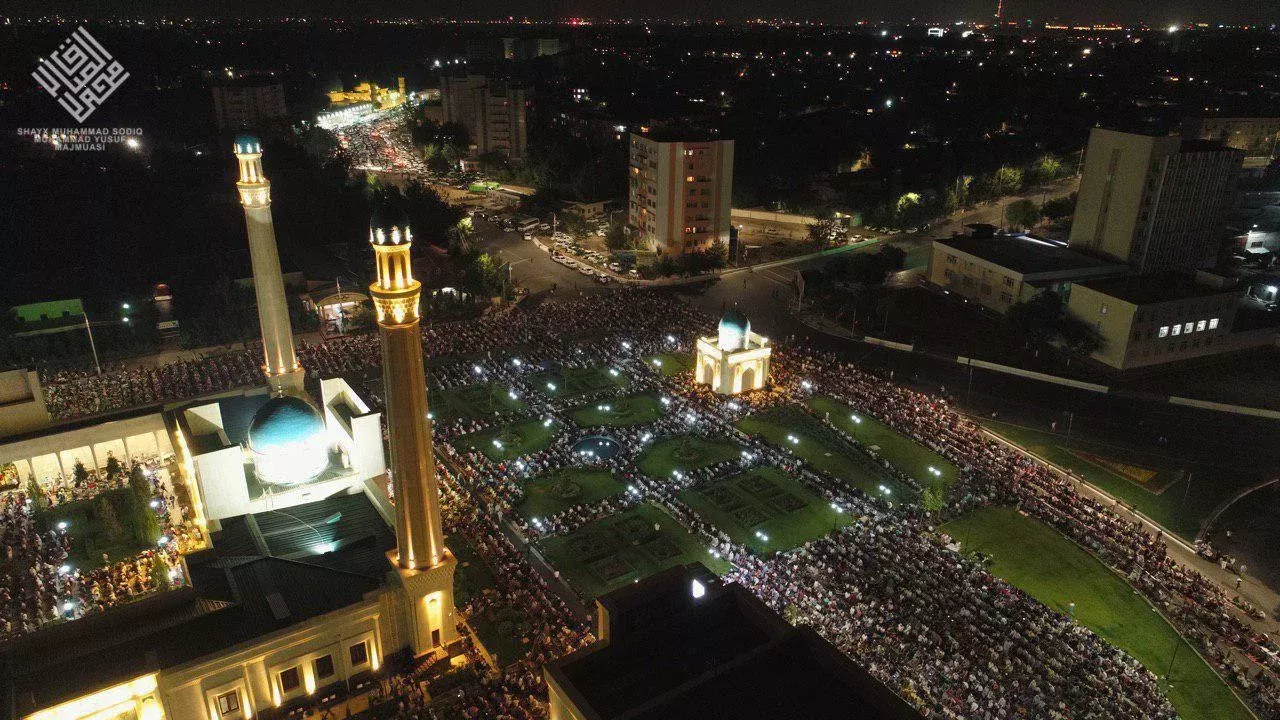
(317, 576)
(734, 361)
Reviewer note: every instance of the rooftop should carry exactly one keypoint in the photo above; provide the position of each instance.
(1155, 288)
(674, 133)
(263, 575)
(724, 654)
(1025, 255)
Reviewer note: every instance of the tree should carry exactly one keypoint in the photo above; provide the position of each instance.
(79, 474)
(892, 257)
(1059, 207)
(1022, 213)
(159, 573)
(1037, 317)
(113, 466)
(140, 485)
(1079, 337)
(1047, 167)
(39, 498)
(1006, 181)
(826, 231)
(108, 520)
(617, 238)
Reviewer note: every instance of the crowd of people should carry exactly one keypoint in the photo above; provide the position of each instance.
(874, 588)
(39, 585)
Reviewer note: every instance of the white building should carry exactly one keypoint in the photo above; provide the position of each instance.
(736, 360)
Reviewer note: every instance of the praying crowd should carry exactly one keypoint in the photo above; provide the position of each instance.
(890, 589)
(40, 582)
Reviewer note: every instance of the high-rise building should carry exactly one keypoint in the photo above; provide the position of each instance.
(681, 189)
(425, 565)
(1154, 202)
(492, 111)
(280, 364)
(248, 102)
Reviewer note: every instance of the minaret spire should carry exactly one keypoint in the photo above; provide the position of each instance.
(280, 365)
(424, 566)
(395, 294)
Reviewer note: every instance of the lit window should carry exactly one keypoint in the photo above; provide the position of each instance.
(689, 179)
(359, 654)
(1213, 324)
(1177, 330)
(290, 680)
(324, 666)
(1164, 331)
(228, 703)
(1201, 325)
(1187, 328)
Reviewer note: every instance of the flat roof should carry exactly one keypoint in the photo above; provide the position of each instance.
(667, 133)
(670, 656)
(1155, 288)
(1025, 255)
(262, 575)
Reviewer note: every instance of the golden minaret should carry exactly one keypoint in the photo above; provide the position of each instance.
(425, 565)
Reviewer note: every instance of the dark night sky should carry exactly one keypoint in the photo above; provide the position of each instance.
(838, 11)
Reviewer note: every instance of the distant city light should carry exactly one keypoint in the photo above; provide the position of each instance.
(132, 143)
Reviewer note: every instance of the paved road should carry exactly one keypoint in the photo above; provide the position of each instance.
(532, 267)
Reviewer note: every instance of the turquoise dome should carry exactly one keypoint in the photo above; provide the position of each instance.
(289, 441)
(734, 329)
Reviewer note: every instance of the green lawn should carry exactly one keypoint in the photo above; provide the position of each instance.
(619, 412)
(685, 452)
(112, 523)
(500, 627)
(765, 500)
(1209, 485)
(669, 364)
(904, 453)
(512, 440)
(1056, 571)
(472, 401)
(573, 382)
(816, 445)
(610, 553)
(549, 494)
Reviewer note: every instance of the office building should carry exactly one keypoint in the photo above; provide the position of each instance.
(1257, 137)
(681, 189)
(248, 103)
(492, 111)
(1167, 317)
(681, 645)
(1154, 203)
(1001, 271)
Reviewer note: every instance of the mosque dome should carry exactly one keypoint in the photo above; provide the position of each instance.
(734, 327)
(288, 440)
(246, 143)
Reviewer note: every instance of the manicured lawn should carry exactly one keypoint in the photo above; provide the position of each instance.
(549, 494)
(610, 553)
(669, 364)
(904, 453)
(619, 412)
(472, 401)
(1056, 571)
(500, 626)
(112, 523)
(765, 500)
(791, 428)
(512, 440)
(1209, 485)
(573, 382)
(685, 452)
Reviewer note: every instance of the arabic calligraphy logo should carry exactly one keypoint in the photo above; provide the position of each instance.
(80, 74)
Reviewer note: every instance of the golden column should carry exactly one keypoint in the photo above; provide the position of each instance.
(280, 364)
(395, 294)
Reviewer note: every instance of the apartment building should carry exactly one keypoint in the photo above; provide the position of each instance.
(492, 111)
(681, 189)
